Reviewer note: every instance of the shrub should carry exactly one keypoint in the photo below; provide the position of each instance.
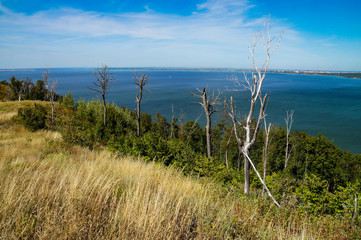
(68, 100)
(32, 119)
(77, 132)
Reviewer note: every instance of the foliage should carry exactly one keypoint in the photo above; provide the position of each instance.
(32, 119)
(86, 193)
(318, 177)
(315, 198)
(68, 100)
(24, 89)
(6, 92)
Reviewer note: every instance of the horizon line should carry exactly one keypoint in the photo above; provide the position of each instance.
(186, 69)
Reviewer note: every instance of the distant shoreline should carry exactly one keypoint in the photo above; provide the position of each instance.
(352, 75)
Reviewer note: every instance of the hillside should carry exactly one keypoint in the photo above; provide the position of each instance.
(49, 190)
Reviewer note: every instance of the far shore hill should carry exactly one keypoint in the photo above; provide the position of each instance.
(346, 74)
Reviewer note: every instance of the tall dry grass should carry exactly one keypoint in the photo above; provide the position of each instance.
(49, 192)
(94, 195)
(54, 193)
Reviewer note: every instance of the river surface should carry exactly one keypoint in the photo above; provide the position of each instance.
(327, 104)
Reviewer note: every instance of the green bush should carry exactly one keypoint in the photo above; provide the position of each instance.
(314, 197)
(68, 100)
(76, 132)
(32, 119)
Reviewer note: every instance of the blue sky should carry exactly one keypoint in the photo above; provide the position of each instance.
(323, 35)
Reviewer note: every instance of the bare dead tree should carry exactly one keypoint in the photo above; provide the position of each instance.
(23, 87)
(227, 147)
(140, 79)
(289, 121)
(209, 105)
(254, 85)
(50, 93)
(354, 212)
(181, 125)
(267, 130)
(172, 129)
(103, 79)
(244, 145)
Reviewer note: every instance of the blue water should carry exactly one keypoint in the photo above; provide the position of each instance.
(327, 104)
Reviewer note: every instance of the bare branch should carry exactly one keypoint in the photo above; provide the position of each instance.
(140, 79)
(289, 122)
(260, 117)
(263, 183)
(254, 84)
(50, 93)
(103, 80)
(232, 114)
(102, 83)
(209, 104)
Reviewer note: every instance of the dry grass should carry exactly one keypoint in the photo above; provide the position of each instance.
(94, 195)
(12, 106)
(47, 192)
(54, 193)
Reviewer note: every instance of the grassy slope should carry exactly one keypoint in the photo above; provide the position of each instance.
(51, 192)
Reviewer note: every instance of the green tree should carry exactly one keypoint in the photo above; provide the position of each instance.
(68, 100)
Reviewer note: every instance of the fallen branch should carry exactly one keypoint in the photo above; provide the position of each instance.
(264, 184)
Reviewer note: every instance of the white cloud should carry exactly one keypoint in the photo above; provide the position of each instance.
(199, 26)
(217, 35)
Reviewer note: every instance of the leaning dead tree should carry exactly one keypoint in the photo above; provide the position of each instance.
(140, 79)
(251, 125)
(267, 131)
(50, 94)
(289, 121)
(101, 85)
(209, 104)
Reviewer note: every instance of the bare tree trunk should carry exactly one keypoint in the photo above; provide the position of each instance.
(50, 87)
(182, 134)
(266, 146)
(208, 105)
(354, 209)
(286, 156)
(306, 161)
(264, 184)
(208, 133)
(246, 171)
(19, 97)
(172, 126)
(52, 112)
(289, 121)
(138, 118)
(239, 160)
(105, 110)
(140, 79)
(227, 147)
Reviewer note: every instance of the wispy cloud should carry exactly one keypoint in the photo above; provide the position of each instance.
(217, 34)
(219, 7)
(200, 25)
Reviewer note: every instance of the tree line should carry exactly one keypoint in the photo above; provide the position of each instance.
(25, 89)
